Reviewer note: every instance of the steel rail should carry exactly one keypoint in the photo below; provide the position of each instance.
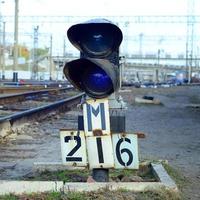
(42, 111)
(22, 96)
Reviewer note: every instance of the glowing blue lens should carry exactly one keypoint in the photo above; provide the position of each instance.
(97, 81)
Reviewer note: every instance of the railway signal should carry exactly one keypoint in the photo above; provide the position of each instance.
(96, 73)
(97, 70)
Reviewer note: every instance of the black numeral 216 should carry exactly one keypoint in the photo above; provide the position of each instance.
(118, 150)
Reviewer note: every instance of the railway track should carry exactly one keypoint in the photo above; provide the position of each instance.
(16, 114)
(32, 135)
(36, 141)
(22, 96)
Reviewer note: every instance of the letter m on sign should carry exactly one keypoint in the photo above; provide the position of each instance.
(96, 116)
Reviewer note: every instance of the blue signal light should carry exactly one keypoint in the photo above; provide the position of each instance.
(97, 82)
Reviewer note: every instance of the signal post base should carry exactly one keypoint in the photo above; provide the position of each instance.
(100, 175)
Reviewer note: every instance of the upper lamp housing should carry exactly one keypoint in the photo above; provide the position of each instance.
(97, 71)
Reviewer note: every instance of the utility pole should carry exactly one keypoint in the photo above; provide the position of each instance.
(3, 50)
(15, 62)
(190, 38)
(34, 54)
(140, 46)
(64, 47)
(1, 46)
(50, 59)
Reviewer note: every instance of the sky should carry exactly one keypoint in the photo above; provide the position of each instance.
(104, 8)
(97, 7)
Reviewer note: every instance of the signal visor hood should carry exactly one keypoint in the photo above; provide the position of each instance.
(96, 38)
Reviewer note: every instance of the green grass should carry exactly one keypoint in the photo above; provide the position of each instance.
(76, 196)
(125, 172)
(65, 176)
(8, 197)
(46, 196)
(180, 180)
(144, 172)
(162, 194)
(105, 194)
(82, 175)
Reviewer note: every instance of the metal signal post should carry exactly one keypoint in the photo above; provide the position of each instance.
(96, 73)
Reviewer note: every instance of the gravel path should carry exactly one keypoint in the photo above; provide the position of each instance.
(36, 142)
(172, 129)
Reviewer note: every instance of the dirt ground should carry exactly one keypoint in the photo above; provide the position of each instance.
(172, 130)
(172, 133)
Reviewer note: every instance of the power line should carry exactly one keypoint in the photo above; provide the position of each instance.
(119, 19)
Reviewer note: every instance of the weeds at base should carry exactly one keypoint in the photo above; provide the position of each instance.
(161, 194)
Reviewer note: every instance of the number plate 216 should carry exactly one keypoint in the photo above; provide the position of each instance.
(116, 151)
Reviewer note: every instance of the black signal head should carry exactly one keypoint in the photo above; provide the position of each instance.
(95, 38)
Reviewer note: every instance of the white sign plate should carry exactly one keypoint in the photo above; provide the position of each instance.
(100, 152)
(73, 148)
(96, 116)
(125, 151)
